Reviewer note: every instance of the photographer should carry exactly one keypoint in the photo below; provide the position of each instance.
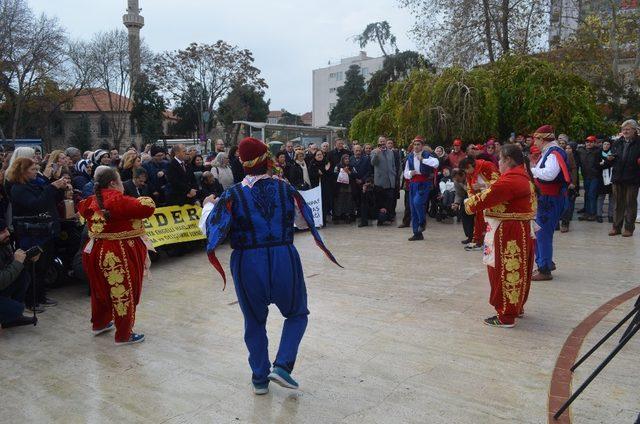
(14, 282)
(30, 199)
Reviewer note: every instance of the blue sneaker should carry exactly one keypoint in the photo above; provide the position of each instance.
(106, 328)
(135, 338)
(282, 378)
(261, 388)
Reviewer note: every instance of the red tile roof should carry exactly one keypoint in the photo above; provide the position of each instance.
(307, 118)
(98, 100)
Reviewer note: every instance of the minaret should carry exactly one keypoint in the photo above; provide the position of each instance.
(134, 22)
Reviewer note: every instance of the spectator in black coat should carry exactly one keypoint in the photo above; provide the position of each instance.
(209, 186)
(182, 188)
(30, 198)
(157, 173)
(625, 158)
(137, 186)
(82, 175)
(236, 165)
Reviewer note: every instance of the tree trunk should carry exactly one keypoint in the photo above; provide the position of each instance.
(16, 118)
(505, 26)
(384, 53)
(613, 41)
(487, 30)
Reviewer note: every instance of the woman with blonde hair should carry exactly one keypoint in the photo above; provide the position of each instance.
(222, 171)
(129, 162)
(56, 165)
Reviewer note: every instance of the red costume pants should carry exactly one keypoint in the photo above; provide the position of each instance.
(479, 228)
(511, 277)
(115, 269)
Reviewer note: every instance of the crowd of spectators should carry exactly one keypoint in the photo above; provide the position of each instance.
(363, 182)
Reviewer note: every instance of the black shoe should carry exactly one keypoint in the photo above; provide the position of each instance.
(37, 309)
(466, 241)
(553, 266)
(610, 220)
(48, 303)
(582, 210)
(422, 228)
(20, 321)
(599, 219)
(415, 237)
(363, 224)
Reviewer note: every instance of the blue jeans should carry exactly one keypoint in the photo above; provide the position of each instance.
(550, 210)
(591, 196)
(12, 298)
(261, 277)
(419, 195)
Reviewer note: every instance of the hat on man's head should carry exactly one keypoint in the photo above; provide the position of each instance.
(592, 139)
(545, 132)
(155, 150)
(254, 154)
(457, 142)
(478, 147)
(419, 138)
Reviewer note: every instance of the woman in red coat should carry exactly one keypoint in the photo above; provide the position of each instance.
(115, 257)
(509, 206)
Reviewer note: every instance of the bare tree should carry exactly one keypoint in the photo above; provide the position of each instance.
(469, 32)
(213, 69)
(32, 50)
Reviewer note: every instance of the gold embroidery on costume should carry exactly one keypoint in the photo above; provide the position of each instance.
(501, 208)
(97, 223)
(511, 284)
(136, 224)
(114, 272)
(147, 201)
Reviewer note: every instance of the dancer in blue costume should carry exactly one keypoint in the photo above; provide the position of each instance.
(258, 215)
(551, 175)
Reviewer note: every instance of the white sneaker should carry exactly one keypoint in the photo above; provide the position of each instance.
(109, 327)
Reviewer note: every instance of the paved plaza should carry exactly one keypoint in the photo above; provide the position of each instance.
(395, 337)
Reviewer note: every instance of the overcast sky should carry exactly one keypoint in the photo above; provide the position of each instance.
(288, 38)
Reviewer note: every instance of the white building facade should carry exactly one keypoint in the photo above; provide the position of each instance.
(565, 16)
(326, 82)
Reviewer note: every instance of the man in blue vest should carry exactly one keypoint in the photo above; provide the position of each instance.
(419, 171)
(551, 174)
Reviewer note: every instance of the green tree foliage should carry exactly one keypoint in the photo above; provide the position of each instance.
(514, 94)
(350, 97)
(244, 103)
(81, 134)
(379, 32)
(188, 110)
(148, 109)
(289, 118)
(394, 68)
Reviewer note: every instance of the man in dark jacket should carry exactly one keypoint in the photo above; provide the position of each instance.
(137, 186)
(181, 187)
(626, 178)
(361, 166)
(591, 173)
(156, 173)
(14, 282)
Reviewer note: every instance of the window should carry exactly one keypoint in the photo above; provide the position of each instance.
(332, 90)
(332, 75)
(104, 126)
(58, 128)
(331, 106)
(364, 72)
(339, 76)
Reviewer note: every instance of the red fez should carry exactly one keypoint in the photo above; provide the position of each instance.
(479, 147)
(592, 138)
(545, 132)
(253, 153)
(419, 138)
(457, 142)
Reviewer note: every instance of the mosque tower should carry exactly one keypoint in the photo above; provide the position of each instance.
(134, 22)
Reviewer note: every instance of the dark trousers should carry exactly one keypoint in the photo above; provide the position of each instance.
(385, 199)
(567, 215)
(43, 270)
(406, 218)
(591, 186)
(626, 198)
(467, 223)
(12, 298)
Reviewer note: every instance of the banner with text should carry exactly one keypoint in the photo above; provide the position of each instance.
(313, 198)
(174, 224)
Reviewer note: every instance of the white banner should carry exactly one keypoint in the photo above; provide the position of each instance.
(313, 198)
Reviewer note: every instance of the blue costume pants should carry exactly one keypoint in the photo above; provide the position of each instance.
(550, 209)
(591, 196)
(419, 195)
(264, 276)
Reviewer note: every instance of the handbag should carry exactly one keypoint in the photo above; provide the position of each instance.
(343, 177)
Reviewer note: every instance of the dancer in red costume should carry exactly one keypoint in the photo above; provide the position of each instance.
(115, 257)
(509, 207)
(481, 174)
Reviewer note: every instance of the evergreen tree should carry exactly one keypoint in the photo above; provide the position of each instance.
(148, 109)
(244, 103)
(289, 118)
(81, 134)
(350, 97)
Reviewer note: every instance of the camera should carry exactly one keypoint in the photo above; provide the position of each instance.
(33, 252)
